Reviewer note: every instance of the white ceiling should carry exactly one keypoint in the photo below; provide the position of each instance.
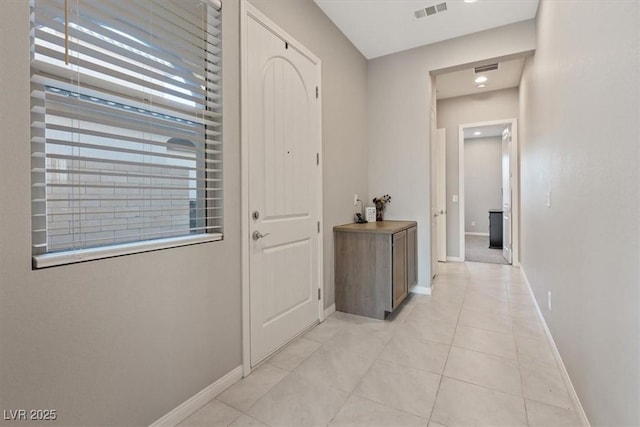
(485, 131)
(382, 27)
(458, 83)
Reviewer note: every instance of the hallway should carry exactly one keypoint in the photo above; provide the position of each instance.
(473, 353)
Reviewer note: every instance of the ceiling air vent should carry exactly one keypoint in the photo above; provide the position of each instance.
(485, 68)
(431, 10)
(420, 13)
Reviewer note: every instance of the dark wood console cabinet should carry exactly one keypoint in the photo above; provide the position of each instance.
(375, 266)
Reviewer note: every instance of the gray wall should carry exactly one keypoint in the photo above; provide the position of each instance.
(344, 114)
(489, 106)
(399, 90)
(482, 181)
(122, 341)
(579, 139)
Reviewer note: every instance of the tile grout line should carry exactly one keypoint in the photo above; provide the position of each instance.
(513, 335)
(493, 390)
(490, 354)
(289, 373)
(351, 393)
(485, 353)
(515, 341)
(265, 393)
(435, 399)
(574, 401)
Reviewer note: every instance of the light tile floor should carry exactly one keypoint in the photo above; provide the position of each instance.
(472, 353)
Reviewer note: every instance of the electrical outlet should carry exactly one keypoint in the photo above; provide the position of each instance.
(549, 300)
(549, 199)
(454, 198)
(355, 200)
(473, 223)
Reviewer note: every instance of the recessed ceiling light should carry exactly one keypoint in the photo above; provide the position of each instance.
(481, 79)
(477, 133)
(470, 1)
(481, 86)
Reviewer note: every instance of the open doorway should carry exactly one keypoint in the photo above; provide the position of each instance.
(488, 189)
(477, 94)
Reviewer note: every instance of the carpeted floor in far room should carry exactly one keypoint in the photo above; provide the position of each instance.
(477, 250)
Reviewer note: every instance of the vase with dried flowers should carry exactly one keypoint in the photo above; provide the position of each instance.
(381, 203)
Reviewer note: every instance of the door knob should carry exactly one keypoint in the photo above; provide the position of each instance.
(258, 235)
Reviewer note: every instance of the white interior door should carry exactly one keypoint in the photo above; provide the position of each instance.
(283, 144)
(433, 149)
(506, 195)
(441, 206)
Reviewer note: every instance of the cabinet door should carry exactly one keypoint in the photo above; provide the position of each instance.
(412, 257)
(399, 267)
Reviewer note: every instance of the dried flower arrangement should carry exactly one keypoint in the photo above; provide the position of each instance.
(381, 203)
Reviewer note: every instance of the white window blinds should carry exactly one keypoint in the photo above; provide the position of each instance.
(126, 122)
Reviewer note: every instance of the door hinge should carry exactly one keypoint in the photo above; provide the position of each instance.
(319, 294)
(317, 159)
(318, 226)
(317, 92)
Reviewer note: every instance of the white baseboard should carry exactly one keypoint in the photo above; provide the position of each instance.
(584, 421)
(422, 290)
(455, 259)
(471, 233)
(329, 310)
(190, 406)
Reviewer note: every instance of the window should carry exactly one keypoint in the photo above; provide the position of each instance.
(126, 131)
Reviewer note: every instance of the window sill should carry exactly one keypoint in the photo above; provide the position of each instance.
(82, 255)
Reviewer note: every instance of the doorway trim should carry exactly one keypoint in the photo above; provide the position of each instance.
(514, 162)
(248, 11)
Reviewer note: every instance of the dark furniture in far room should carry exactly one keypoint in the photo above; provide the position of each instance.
(495, 229)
